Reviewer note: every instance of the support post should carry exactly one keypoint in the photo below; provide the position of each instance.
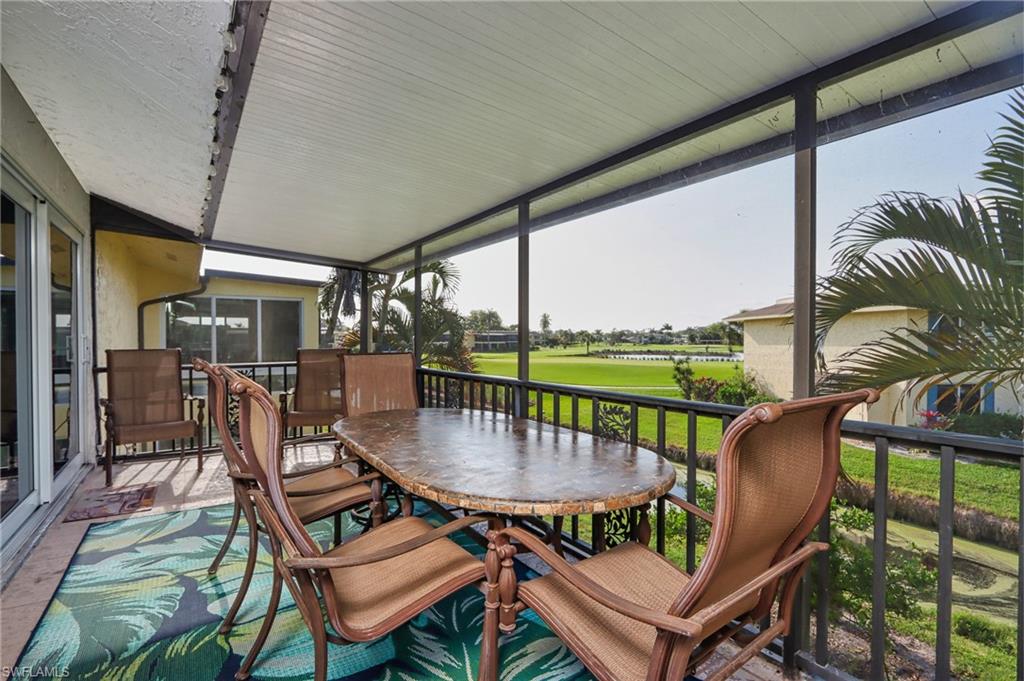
(417, 309)
(804, 192)
(523, 373)
(365, 308)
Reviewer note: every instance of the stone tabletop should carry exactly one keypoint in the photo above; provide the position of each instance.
(495, 463)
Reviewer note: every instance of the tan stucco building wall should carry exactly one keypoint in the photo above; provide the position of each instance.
(768, 353)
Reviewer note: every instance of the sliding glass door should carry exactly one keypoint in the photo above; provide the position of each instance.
(19, 488)
(40, 354)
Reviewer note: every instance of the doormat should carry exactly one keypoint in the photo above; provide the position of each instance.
(101, 504)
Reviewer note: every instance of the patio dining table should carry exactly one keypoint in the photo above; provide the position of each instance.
(490, 462)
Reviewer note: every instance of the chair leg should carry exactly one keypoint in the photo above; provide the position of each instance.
(212, 570)
(492, 604)
(109, 463)
(261, 636)
(199, 451)
(250, 567)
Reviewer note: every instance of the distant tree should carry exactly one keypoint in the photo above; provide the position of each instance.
(666, 327)
(545, 323)
(483, 320)
(586, 337)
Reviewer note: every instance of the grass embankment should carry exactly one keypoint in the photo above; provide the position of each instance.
(987, 488)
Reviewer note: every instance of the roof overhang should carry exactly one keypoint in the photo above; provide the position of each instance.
(352, 134)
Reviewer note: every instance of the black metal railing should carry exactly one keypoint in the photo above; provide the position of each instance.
(618, 415)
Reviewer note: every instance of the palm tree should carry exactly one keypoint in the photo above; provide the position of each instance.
(338, 297)
(960, 259)
(393, 299)
(545, 323)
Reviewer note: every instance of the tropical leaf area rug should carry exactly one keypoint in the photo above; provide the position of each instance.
(136, 604)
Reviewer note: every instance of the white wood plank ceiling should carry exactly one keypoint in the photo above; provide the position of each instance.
(368, 125)
(126, 91)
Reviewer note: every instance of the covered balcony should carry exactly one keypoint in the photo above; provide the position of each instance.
(384, 141)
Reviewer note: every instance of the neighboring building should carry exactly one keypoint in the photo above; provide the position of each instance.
(768, 353)
(493, 341)
(240, 317)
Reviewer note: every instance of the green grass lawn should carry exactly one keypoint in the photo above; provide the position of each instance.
(573, 367)
(989, 488)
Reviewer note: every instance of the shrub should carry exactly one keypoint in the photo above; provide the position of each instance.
(851, 563)
(682, 374)
(705, 389)
(992, 424)
(933, 420)
(981, 629)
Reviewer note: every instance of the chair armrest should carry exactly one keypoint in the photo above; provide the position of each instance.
(239, 475)
(362, 479)
(794, 561)
(687, 506)
(328, 562)
(322, 467)
(600, 594)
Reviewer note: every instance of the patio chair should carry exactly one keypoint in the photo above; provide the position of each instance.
(379, 382)
(630, 614)
(313, 493)
(369, 586)
(145, 403)
(317, 398)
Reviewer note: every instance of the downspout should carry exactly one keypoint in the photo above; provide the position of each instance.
(203, 282)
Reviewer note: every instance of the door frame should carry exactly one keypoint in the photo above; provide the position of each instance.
(82, 361)
(20, 521)
(17, 517)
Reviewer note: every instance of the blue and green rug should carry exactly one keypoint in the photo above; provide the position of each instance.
(136, 604)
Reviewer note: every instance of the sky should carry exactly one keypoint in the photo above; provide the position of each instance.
(696, 254)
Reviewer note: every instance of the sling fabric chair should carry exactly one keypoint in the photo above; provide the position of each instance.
(314, 493)
(630, 614)
(379, 382)
(318, 396)
(145, 403)
(368, 586)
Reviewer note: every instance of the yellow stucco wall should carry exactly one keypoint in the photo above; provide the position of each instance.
(132, 269)
(768, 353)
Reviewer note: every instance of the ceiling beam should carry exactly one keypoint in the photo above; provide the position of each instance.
(250, 16)
(945, 28)
(279, 254)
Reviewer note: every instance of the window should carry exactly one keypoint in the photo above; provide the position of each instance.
(280, 330)
(237, 332)
(189, 327)
(234, 330)
(966, 398)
